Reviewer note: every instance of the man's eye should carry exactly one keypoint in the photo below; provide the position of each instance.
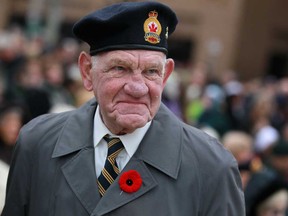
(152, 72)
(119, 68)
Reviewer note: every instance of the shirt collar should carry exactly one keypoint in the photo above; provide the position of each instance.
(130, 141)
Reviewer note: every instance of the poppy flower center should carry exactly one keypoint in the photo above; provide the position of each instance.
(129, 182)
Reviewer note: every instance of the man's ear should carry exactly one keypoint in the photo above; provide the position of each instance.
(169, 67)
(85, 65)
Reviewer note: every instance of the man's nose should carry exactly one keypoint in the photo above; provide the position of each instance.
(136, 86)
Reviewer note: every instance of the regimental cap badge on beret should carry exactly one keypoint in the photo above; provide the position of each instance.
(152, 28)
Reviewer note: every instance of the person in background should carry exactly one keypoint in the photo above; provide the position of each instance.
(241, 146)
(265, 134)
(124, 152)
(54, 84)
(11, 120)
(278, 160)
(193, 93)
(171, 94)
(267, 195)
(29, 91)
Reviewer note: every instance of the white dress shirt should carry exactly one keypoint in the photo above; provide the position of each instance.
(130, 142)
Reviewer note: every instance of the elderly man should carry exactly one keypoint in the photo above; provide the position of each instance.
(124, 153)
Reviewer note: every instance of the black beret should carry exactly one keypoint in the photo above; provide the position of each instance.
(127, 25)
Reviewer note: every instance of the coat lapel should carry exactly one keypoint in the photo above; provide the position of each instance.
(161, 146)
(77, 137)
(81, 177)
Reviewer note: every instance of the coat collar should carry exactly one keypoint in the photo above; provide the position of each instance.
(77, 132)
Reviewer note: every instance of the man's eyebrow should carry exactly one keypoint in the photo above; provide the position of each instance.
(118, 60)
(154, 65)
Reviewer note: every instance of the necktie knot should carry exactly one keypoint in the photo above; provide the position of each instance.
(115, 146)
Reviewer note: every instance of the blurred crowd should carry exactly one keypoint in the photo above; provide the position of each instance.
(249, 117)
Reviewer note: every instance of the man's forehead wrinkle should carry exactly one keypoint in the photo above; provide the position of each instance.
(139, 63)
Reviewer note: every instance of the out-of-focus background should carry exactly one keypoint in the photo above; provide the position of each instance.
(230, 79)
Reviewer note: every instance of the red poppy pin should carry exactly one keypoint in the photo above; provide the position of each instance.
(130, 181)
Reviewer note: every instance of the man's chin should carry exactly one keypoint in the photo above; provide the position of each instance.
(132, 122)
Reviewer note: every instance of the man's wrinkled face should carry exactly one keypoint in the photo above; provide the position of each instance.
(128, 86)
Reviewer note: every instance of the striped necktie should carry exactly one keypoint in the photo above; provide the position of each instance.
(110, 170)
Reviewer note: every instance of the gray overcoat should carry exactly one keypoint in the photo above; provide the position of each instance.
(184, 171)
